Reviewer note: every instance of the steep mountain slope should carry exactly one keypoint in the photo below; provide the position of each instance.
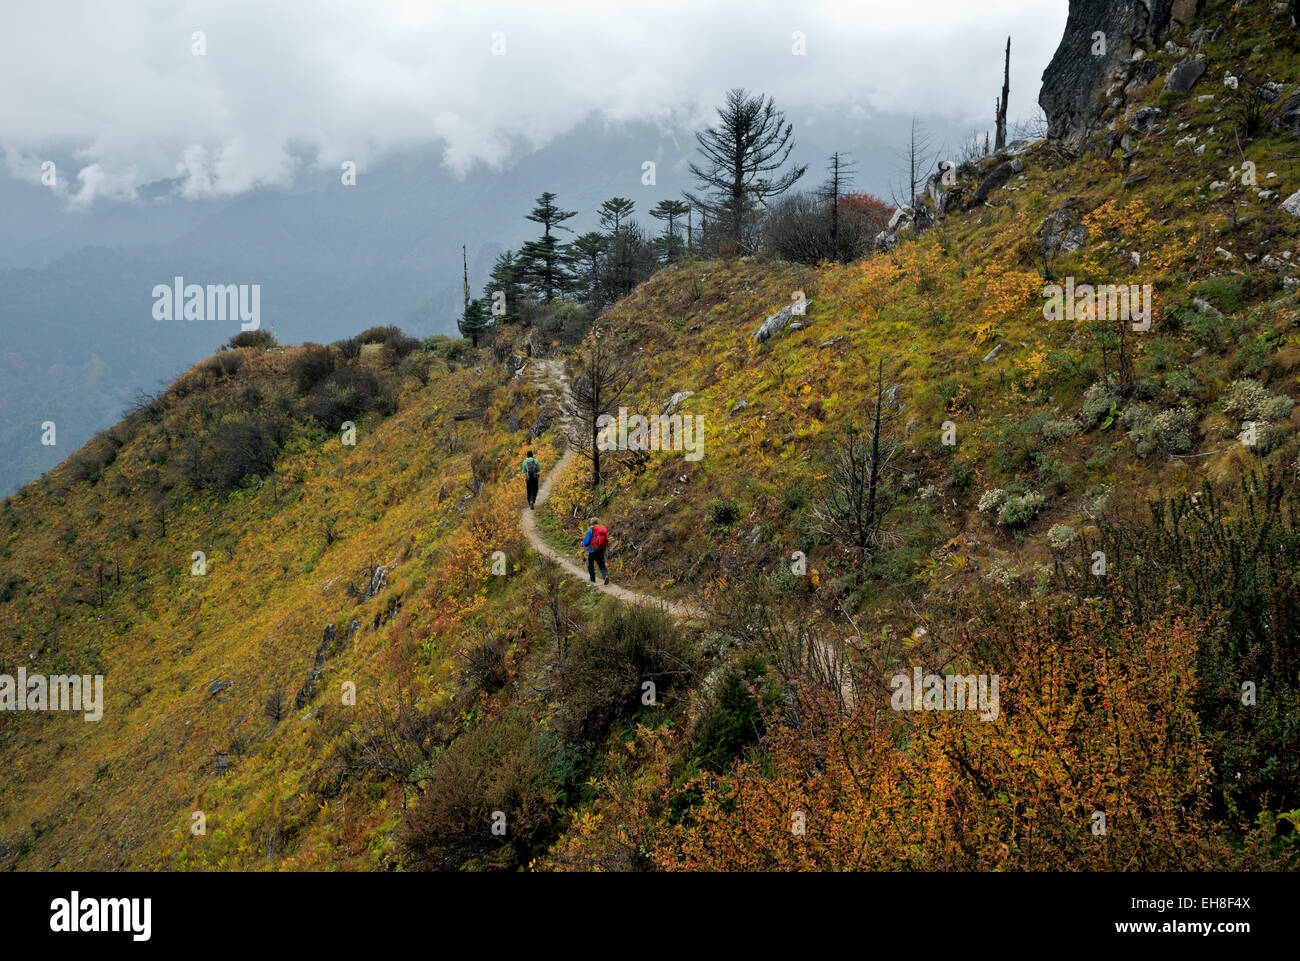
(492, 691)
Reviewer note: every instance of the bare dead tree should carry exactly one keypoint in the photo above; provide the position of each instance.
(859, 492)
(395, 741)
(840, 171)
(917, 158)
(1033, 127)
(1002, 101)
(594, 393)
(558, 614)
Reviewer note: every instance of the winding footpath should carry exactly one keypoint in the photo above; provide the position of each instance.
(549, 374)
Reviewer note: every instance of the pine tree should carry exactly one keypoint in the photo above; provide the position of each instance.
(504, 291)
(475, 320)
(544, 260)
(743, 152)
(614, 212)
(585, 253)
(670, 211)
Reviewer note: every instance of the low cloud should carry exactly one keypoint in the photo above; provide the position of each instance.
(119, 88)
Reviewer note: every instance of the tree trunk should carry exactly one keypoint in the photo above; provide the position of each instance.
(464, 262)
(1002, 103)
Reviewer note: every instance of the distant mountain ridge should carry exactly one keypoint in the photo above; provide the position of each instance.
(331, 260)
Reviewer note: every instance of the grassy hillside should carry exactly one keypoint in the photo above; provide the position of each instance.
(522, 693)
(203, 670)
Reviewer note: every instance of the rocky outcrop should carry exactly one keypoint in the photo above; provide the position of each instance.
(777, 322)
(942, 188)
(901, 220)
(1184, 75)
(1140, 77)
(323, 651)
(1288, 115)
(1104, 44)
(545, 418)
(999, 177)
(1062, 233)
(676, 400)
(1144, 119)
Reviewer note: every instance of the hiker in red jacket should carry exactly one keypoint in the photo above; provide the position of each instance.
(595, 541)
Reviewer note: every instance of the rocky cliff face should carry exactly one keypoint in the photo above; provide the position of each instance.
(1105, 43)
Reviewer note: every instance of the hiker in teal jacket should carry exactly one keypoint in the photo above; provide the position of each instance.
(595, 541)
(532, 470)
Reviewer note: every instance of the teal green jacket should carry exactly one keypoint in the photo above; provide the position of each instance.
(531, 460)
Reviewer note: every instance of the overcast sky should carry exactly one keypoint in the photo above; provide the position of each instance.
(116, 88)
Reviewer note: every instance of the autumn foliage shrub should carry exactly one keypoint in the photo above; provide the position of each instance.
(233, 449)
(378, 335)
(309, 365)
(735, 718)
(258, 339)
(501, 765)
(397, 345)
(602, 678)
(1233, 561)
(487, 666)
(226, 363)
(1097, 717)
(89, 463)
(801, 227)
(346, 394)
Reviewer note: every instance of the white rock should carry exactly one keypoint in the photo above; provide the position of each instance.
(1292, 204)
(676, 399)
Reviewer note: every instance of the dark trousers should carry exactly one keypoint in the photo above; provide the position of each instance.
(532, 490)
(594, 558)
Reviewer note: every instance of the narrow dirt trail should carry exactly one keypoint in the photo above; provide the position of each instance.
(550, 377)
(550, 374)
